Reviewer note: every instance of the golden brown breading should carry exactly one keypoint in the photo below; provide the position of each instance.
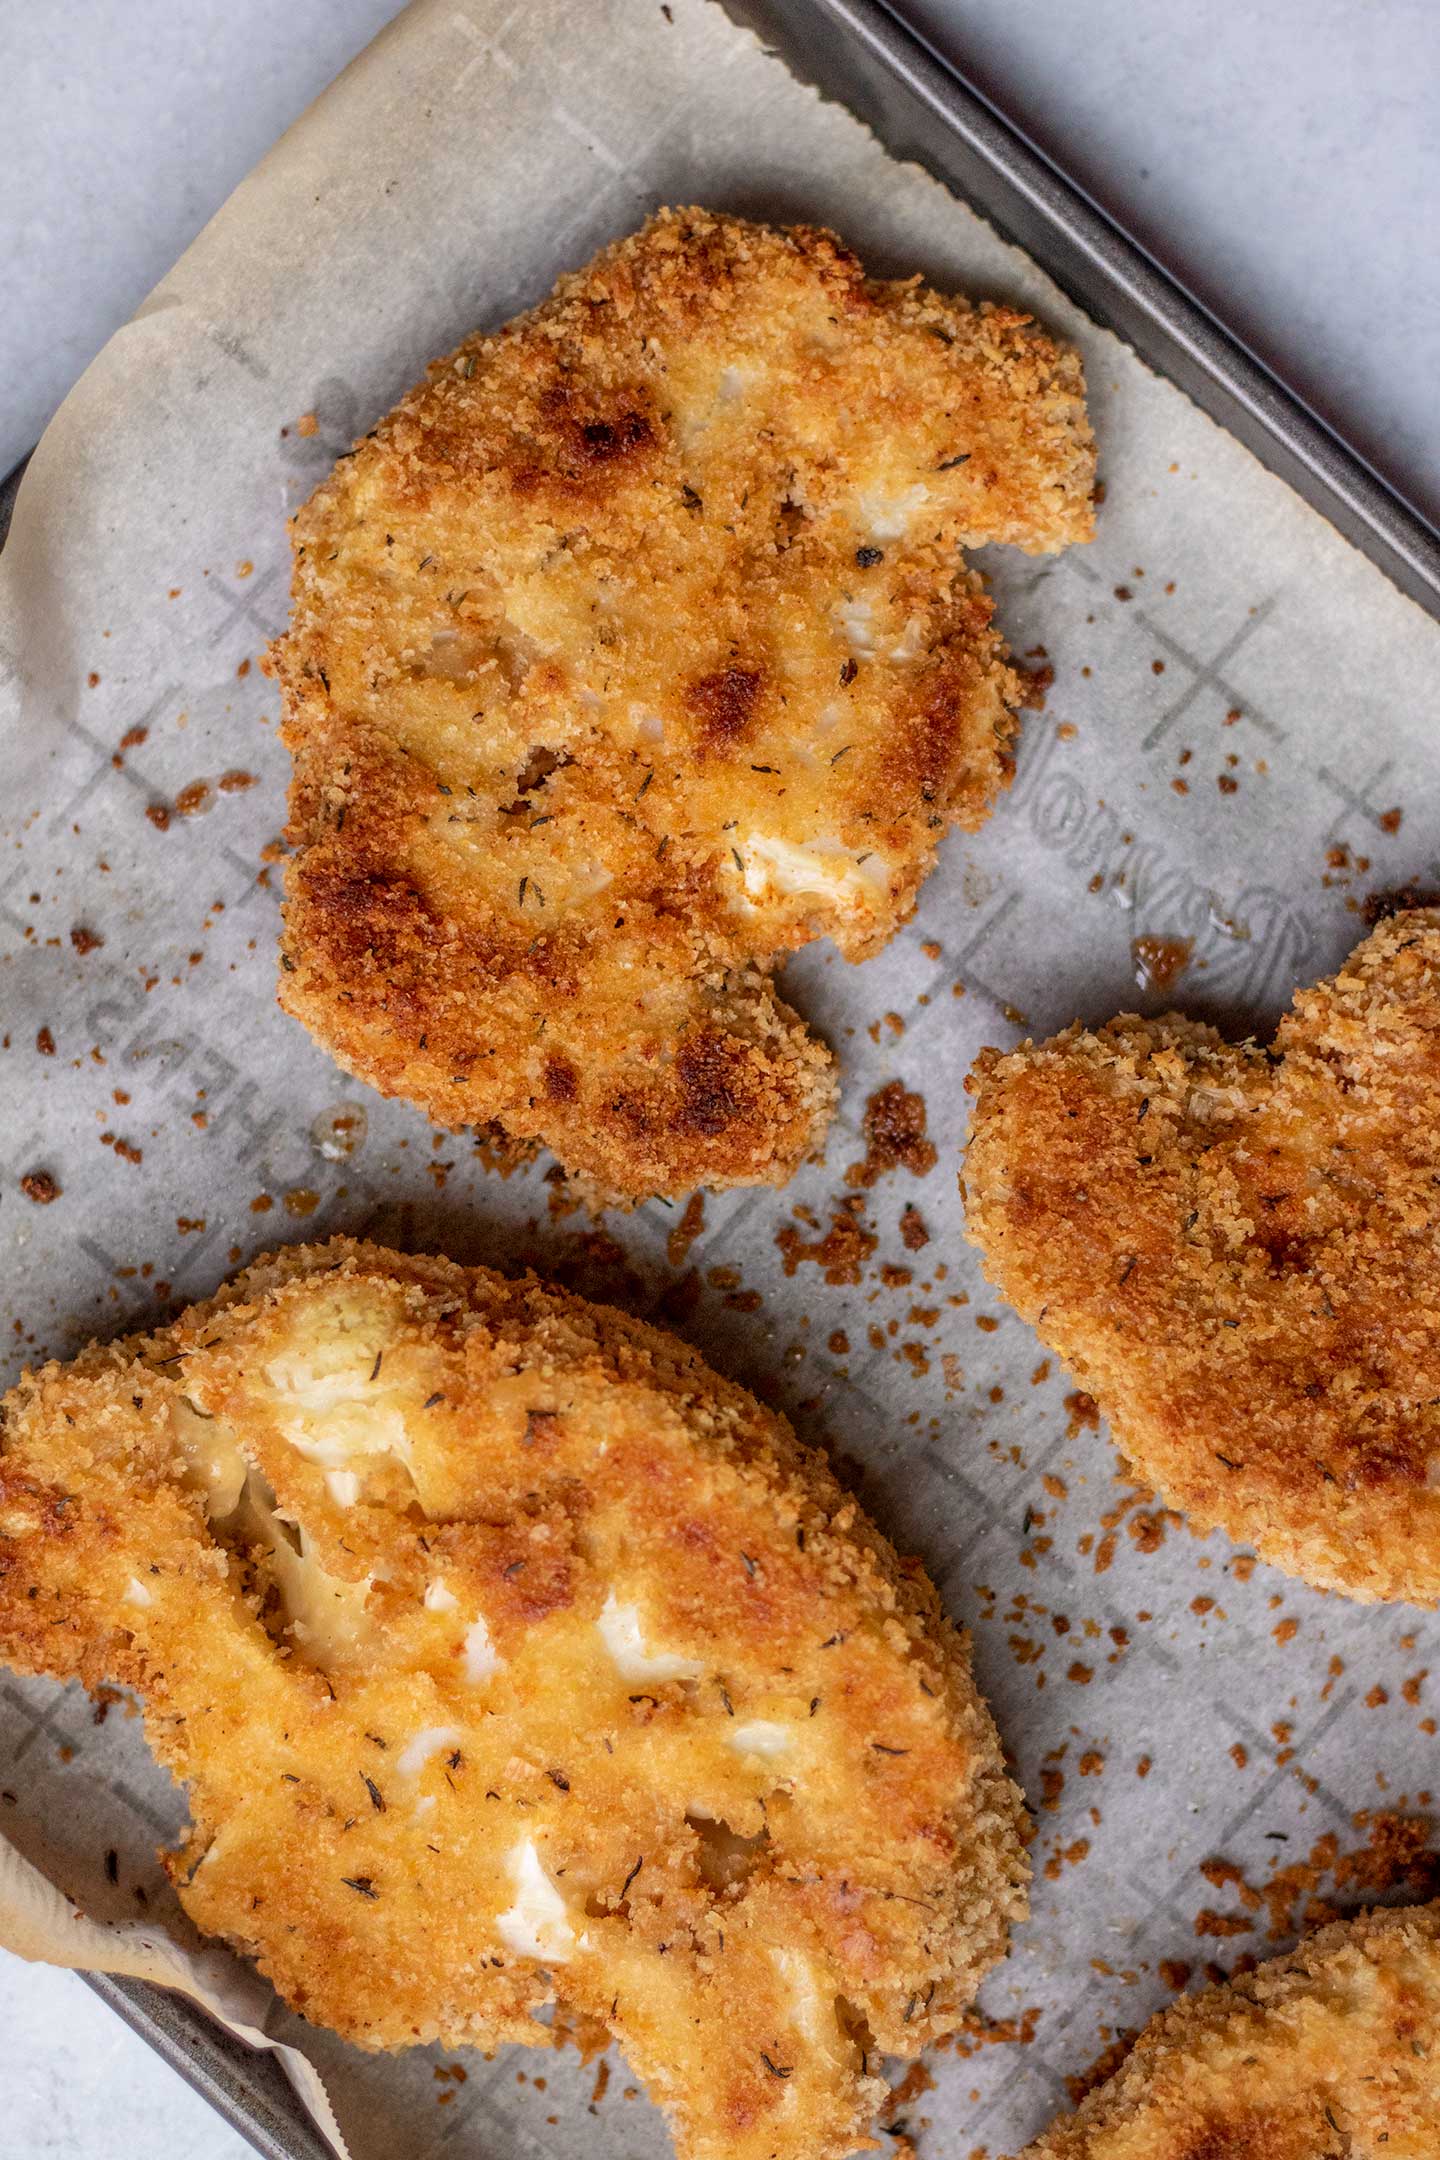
(633, 650)
(511, 1656)
(1334, 2050)
(1237, 1251)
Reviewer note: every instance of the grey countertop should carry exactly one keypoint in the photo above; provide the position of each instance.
(1285, 160)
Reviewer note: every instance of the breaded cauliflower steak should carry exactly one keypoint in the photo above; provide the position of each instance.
(511, 1657)
(635, 649)
(1333, 2051)
(1237, 1251)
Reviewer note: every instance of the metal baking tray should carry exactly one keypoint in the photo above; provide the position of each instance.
(862, 54)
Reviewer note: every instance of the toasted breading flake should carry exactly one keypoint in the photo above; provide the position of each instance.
(1237, 1252)
(633, 650)
(510, 1657)
(1334, 2050)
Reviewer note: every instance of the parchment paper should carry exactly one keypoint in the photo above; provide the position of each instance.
(1238, 697)
(38, 1922)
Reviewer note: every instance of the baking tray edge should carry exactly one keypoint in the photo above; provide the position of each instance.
(250, 2090)
(864, 56)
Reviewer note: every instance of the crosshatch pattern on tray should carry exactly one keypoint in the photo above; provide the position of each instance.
(1215, 629)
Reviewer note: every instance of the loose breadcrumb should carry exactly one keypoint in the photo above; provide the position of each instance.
(635, 649)
(1237, 1251)
(510, 1657)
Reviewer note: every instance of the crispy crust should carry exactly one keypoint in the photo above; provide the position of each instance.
(633, 650)
(1238, 1252)
(283, 1520)
(1333, 2050)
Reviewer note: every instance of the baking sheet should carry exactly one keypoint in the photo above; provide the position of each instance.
(443, 182)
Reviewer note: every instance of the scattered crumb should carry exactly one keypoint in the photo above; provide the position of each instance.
(1160, 962)
(913, 1231)
(686, 1231)
(840, 1253)
(894, 1127)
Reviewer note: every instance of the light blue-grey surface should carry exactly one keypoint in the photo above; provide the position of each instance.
(1286, 160)
(1282, 159)
(127, 123)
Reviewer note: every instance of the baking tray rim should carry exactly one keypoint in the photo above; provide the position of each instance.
(862, 53)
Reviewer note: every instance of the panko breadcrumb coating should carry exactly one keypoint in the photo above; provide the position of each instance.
(1332, 2053)
(633, 650)
(1237, 1251)
(511, 1657)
